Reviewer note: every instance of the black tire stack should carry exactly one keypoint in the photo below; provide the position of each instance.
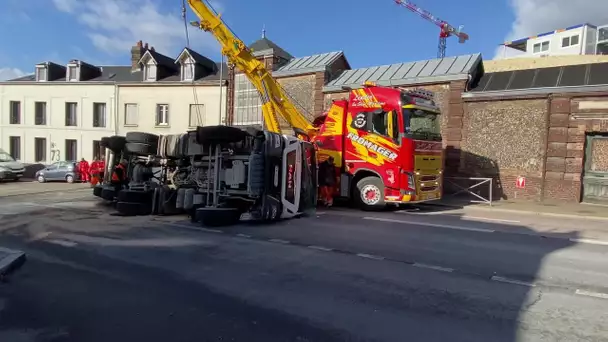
(142, 144)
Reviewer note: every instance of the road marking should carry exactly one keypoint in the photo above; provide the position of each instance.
(433, 267)
(320, 248)
(244, 236)
(590, 241)
(370, 256)
(64, 243)
(447, 226)
(195, 228)
(512, 281)
(280, 241)
(489, 219)
(592, 294)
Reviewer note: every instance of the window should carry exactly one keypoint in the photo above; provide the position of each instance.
(570, 41)
(420, 124)
(188, 70)
(541, 47)
(40, 150)
(40, 113)
(71, 150)
(41, 73)
(99, 115)
(71, 113)
(14, 146)
(197, 115)
(150, 71)
(602, 34)
(247, 105)
(98, 151)
(162, 115)
(73, 73)
(378, 122)
(15, 114)
(131, 114)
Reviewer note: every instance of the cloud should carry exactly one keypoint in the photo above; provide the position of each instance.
(113, 26)
(10, 73)
(538, 16)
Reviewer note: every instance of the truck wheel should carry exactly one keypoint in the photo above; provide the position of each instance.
(142, 138)
(211, 135)
(369, 193)
(116, 143)
(104, 142)
(141, 149)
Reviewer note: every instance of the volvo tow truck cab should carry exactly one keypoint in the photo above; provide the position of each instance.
(386, 143)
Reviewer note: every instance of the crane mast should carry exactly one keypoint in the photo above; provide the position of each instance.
(274, 100)
(446, 30)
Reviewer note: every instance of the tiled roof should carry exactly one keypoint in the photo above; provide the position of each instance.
(308, 64)
(266, 46)
(411, 73)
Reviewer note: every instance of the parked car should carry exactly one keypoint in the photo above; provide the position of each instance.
(60, 171)
(9, 167)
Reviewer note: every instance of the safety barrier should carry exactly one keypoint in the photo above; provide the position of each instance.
(472, 183)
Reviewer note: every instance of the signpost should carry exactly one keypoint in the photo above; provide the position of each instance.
(520, 183)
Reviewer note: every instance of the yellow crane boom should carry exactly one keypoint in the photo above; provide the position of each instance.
(274, 100)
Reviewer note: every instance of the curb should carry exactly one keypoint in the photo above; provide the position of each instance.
(13, 260)
(517, 211)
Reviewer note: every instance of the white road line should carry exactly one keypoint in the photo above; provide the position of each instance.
(320, 248)
(512, 281)
(279, 241)
(447, 226)
(592, 294)
(489, 219)
(433, 267)
(590, 241)
(369, 256)
(64, 243)
(244, 236)
(195, 228)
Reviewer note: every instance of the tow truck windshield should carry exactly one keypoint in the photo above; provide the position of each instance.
(421, 124)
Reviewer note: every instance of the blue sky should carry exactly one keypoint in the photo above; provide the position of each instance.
(371, 32)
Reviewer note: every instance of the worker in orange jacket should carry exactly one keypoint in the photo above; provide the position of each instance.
(83, 168)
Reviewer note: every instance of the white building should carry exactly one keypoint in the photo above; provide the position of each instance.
(583, 39)
(62, 112)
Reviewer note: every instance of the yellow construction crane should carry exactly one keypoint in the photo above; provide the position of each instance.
(274, 100)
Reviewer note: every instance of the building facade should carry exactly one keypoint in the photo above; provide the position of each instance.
(582, 39)
(61, 112)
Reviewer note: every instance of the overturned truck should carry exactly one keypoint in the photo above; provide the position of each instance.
(217, 175)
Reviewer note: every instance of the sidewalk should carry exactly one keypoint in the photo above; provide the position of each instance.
(547, 208)
(10, 259)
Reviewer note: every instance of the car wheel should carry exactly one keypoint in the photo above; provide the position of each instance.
(41, 179)
(69, 179)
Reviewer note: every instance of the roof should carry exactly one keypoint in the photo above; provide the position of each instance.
(551, 79)
(429, 71)
(266, 46)
(123, 74)
(520, 44)
(308, 64)
(198, 59)
(160, 59)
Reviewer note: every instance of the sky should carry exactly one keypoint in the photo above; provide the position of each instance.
(370, 32)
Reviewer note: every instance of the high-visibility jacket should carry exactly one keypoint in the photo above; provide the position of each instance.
(115, 176)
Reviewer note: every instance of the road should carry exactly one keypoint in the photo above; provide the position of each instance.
(341, 276)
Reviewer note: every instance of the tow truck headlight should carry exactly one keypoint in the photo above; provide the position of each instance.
(411, 180)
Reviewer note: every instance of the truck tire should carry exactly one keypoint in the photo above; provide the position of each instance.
(217, 217)
(212, 135)
(369, 193)
(116, 143)
(135, 196)
(104, 142)
(141, 149)
(132, 209)
(257, 174)
(97, 191)
(142, 138)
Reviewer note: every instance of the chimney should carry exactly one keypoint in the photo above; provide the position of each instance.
(137, 52)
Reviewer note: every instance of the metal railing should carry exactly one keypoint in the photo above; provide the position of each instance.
(474, 184)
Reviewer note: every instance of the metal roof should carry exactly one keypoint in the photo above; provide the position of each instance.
(308, 64)
(401, 74)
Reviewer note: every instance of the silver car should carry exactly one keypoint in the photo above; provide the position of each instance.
(9, 167)
(60, 171)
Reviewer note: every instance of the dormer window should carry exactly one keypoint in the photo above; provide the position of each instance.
(72, 72)
(188, 70)
(41, 73)
(150, 71)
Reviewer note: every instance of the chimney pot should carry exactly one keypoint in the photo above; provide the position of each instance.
(139, 43)
(152, 48)
(146, 46)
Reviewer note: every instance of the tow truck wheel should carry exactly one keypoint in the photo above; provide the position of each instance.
(369, 193)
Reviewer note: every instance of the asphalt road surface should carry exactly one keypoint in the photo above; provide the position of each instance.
(341, 276)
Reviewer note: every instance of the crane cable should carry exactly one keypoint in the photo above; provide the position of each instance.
(194, 92)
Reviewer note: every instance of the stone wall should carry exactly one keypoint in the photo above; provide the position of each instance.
(301, 92)
(503, 140)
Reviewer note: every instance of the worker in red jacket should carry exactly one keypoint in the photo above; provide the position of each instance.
(83, 168)
(95, 171)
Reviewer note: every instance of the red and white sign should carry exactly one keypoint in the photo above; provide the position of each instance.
(520, 182)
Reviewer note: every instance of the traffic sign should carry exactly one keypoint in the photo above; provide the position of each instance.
(520, 183)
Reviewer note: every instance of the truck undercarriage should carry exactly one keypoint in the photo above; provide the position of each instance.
(215, 174)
